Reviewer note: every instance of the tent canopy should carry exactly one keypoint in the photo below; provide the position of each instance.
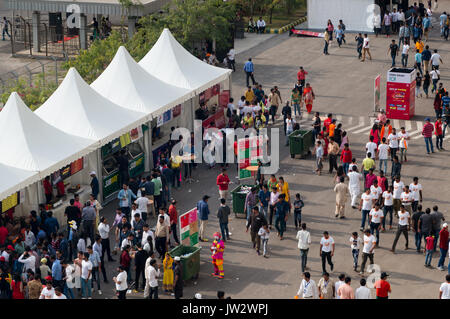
(31, 144)
(169, 61)
(78, 109)
(14, 179)
(127, 84)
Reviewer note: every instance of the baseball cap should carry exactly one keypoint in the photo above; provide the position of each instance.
(10, 247)
(384, 275)
(445, 225)
(177, 258)
(92, 173)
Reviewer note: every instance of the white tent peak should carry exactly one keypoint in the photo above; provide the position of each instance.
(77, 109)
(127, 84)
(169, 61)
(33, 144)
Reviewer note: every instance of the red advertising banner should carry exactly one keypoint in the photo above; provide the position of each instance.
(224, 97)
(218, 118)
(400, 93)
(308, 33)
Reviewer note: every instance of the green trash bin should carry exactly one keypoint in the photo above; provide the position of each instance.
(190, 260)
(300, 142)
(239, 201)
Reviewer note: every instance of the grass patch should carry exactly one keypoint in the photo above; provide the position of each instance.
(279, 18)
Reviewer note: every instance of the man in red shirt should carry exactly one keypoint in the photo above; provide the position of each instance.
(439, 133)
(427, 133)
(443, 245)
(328, 121)
(346, 157)
(383, 288)
(222, 182)
(301, 77)
(173, 220)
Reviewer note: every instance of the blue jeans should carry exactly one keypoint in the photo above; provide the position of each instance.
(224, 230)
(345, 166)
(176, 180)
(249, 211)
(383, 162)
(304, 258)
(428, 257)
(355, 254)
(297, 218)
(264, 243)
(436, 239)
(287, 136)
(418, 239)
(297, 109)
(86, 288)
(68, 292)
(442, 258)
(280, 224)
(364, 213)
(393, 59)
(429, 143)
(404, 60)
(325, 48)
(375, 227)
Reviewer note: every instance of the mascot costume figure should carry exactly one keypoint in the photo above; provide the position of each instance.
(217, 249)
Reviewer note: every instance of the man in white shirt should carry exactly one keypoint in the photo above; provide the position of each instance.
(48, 291)
(86, 277)
(326, 250)
(142, 204)
(407, 199)
(363, 292)
(376, 192)
(230, 57)
(103, 230)
(28, 260)
(354, 185)
(403, 137)
(435, 59)
(375, 218)
(58, 294)
(339, 283)
(308, 288)
(121, 282)
(261, 25)
(416, 189)
(444, 290)
(145, 234)
(365, 206)
(371, 147)
(393, 143)
(135, 210)
(405, 54)
(397, 194)
(369, 245)
(388, 206)
(151, 280)
(382, 154)
(366, 48)
(304, 240)
(404, 225)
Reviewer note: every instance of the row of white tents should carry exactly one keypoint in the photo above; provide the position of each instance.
(79, 118)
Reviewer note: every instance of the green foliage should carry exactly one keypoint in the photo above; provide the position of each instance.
(92, 62)
(34, 95)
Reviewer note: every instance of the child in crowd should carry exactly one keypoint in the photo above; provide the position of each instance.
(264, 233)
(356, 244)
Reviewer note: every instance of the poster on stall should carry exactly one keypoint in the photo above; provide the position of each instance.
(136, 133)
(176, 111)
(125, 139)
(224, 98)
(189, 228)
(250, 149)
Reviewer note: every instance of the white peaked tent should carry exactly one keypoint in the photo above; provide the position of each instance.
(127, 84)
(14, 179)
(169, 61)
(78, 109)
(29, 143)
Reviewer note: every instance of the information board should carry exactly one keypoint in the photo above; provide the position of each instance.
(189, 228)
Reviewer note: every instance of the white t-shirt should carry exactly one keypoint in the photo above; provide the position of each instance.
(231, 54)
(375, 192)
(435, 74)
(415, 190)
(354, 179)
(363, 293)
(388, 199)
(369, 242)
(398, 189)
(403, 143)
(142, 203)
(241, 105)
(383, 151)
(367, 201)
(405, 49)
(47, 293)
(122, 277)
(407, 198)
(70, 274)
(393, 140)
(376, 215)
(290, 124)
(371, 147)
(137, 211)
(62, 296)
(336, 287)
(445, 289)
(366, 43)
(326, 244)
(356, 242)
(85, 267)
(264, 234)
(403, 218)
(435, 59)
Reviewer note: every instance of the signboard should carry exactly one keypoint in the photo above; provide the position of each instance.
(377, 89)
(249, 149)
(164, 118)
(400, 93)
(176, 111)
(189, 228)
(76, 166)
(10, 202)
(125, 139)
(218, 118)
(110, 184)
(65, 172)
(137, 166)
(136, 134)
(215, 89)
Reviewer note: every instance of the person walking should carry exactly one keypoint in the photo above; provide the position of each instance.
(355, 241)
(222, 215)
(354, 185)
(375, 219)
(304, 242)
(341, 190)
(308, 97)
(308, 288)
(370, 243)
(222, 182)
(346, 158)
(443, 245)
(365, 206)
(404, 225)
(178, 278)
(281, 215)
(255, 222)
(417, 234)
(326, 252)
(230, 57)
(437, 217)
(5, 29)
(435, 60)
(203, 212)
(366, 48)
(327, 40)
(249, 71)
(405, 53)
(430, 240)
(359, 44)
(435, 77)
(427, 133)
(301, 76)
(393, 50)
(403, 137)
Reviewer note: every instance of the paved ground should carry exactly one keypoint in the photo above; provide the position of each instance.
(343, 86)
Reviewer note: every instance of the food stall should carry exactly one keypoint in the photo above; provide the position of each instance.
(212, 106)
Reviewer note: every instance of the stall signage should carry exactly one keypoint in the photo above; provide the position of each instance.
(189, 228)
(10, 202)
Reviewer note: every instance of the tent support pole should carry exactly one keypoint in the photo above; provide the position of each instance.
(148, 147)
(100, 175)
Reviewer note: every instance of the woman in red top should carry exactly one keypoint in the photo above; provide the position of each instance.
(346, 157)
(308, 96)
(437, 105)
(375, 133)
(330, 29)
(17, 288)
(173, 213)
(324, 136)
(439, 133)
